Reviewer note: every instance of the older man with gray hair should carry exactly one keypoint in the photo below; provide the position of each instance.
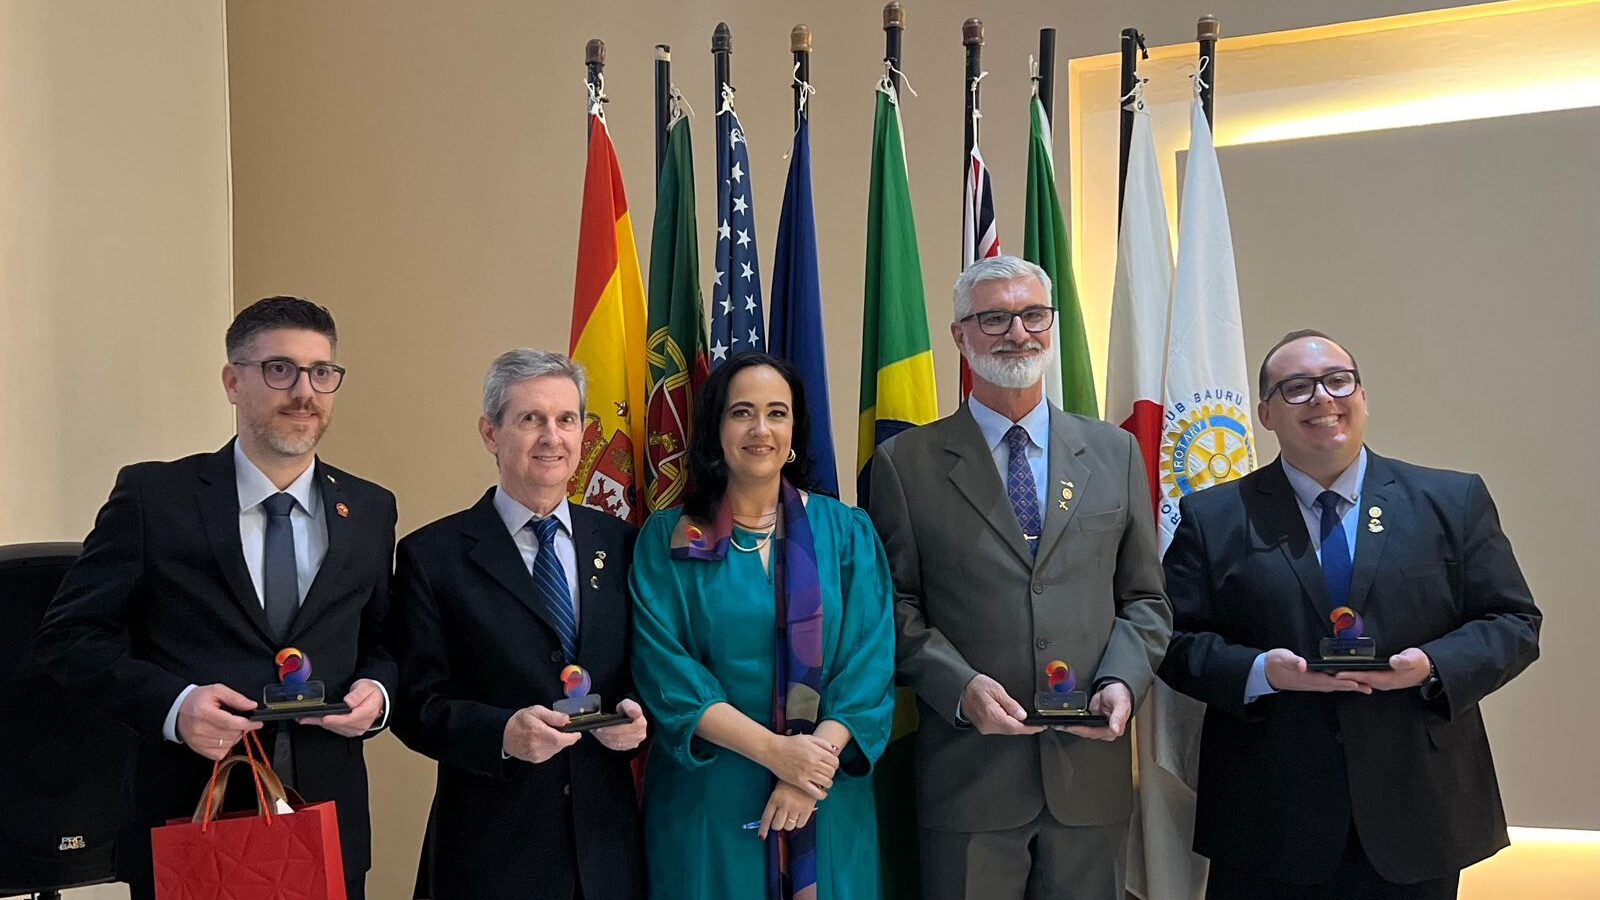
(493, 603)
(1019, 536)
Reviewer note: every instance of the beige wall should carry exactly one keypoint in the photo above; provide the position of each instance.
(115, 276)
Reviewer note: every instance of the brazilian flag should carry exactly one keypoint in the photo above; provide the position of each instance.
(897, 392)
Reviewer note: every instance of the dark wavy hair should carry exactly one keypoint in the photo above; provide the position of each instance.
(708, 472)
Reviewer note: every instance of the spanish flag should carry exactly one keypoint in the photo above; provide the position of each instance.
(608, 338)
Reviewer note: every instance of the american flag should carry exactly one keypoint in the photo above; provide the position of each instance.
(980, 237)
(736, 306)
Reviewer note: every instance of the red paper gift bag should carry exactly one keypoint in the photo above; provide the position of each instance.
(264, 855)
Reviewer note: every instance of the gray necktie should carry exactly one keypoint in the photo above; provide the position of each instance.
(279, 578)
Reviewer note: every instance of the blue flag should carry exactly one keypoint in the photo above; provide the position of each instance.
(797, 306)
(736, 321)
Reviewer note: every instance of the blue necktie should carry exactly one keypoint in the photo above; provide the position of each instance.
(1021, 488)
(551, 580)
(280, 580)
(1335, 550)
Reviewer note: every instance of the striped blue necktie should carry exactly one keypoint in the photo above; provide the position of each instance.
(551, 581)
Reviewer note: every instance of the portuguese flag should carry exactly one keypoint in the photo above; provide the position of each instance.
(608, 338)
(676, 350)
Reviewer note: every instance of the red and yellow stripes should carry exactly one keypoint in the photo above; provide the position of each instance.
(608, 338)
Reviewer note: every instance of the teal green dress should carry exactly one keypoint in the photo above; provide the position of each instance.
(703, 634)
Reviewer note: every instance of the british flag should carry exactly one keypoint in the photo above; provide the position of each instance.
(737, 323)
(980, 238)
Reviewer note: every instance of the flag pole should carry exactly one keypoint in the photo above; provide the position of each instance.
(972, 39)
(1207, 30)
(594, 61)
(1131, 42)
(663, 104)
(1047, 74)
(800, 46)
(721, 64)
(894, 26)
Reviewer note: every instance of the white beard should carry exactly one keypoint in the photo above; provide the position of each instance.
(1010, 372)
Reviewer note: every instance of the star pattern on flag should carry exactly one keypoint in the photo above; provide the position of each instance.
(737, 323)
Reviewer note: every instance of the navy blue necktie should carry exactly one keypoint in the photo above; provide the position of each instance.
(280, 580)
(1021, 488)
(551, 580)
(1336, 565)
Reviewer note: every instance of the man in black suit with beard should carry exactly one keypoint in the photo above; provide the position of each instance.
(1353, 784)
(198, 571)
(491, 604)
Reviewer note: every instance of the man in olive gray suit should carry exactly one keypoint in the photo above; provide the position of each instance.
(1019, 534)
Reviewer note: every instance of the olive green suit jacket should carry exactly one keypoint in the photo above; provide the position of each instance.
(970, 598)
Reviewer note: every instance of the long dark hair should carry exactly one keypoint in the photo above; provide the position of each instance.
(708, 472)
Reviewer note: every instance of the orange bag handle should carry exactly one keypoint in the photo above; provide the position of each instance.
(267, 782)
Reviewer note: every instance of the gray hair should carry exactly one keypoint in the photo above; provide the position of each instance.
(516, 366)
(995, 268)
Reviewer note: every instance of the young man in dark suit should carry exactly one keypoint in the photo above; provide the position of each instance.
(198, 571)
(1373, 784)
(491, 604)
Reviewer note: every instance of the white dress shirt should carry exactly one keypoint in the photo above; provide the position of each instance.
(310, 529)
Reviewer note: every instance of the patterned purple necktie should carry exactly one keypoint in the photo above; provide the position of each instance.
(1020, 487)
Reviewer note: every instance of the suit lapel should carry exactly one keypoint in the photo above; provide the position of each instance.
(341, 533)
(586, 545)
(496, 553)
(1376, 490)
(975, 476)
(1281, 523)
(1066, 465)
(218, 498)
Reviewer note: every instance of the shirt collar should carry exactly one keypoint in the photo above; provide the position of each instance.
(254, 486)
(994, 426)
(516, 516)
(1347, 485)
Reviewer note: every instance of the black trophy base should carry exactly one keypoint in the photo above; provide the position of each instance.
(1347, 664)
(309, 711)
(591, 721)
(1064, 708)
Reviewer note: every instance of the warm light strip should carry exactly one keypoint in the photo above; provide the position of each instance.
(1548, 836)
(1481, 104)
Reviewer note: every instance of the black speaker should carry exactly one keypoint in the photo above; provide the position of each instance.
(63, 762)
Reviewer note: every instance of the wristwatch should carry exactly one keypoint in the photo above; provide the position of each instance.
(1433, 687)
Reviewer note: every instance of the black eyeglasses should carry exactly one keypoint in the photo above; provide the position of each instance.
(281, 374)
(995, 322)
(1300, 389)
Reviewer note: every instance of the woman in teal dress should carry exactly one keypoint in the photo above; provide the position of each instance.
(764, 652)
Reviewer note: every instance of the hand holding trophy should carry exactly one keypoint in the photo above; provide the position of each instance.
(295, 696)
(582, 707)
(1063, 704)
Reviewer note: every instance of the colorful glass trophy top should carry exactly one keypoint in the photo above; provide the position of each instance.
(1349, 650)
(1063, 703)
(581, 706)
(295, 696)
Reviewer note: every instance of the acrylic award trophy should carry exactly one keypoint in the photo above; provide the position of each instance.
(1348, 650)
(1063, 704)
(295, 696)
(582, 707)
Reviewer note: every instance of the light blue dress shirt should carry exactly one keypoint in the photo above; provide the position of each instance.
(310, 529)
(1036, 423)
(1306, 491)
(516, 516)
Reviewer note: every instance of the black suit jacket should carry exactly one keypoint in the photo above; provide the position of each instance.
(475, 646)
(1282, 779)
(161, 598)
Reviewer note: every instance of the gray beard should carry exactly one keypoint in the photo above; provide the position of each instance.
(1013, 374)
(284, 445)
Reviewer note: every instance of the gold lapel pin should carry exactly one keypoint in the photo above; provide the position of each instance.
(332, 480)
(594, 581)
(1375, 526)
(1066, 494)
(342, 510)
(599, 560)
(1376, 512)
(599, 554)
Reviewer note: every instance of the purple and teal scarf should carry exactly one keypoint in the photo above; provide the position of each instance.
(797, 681)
